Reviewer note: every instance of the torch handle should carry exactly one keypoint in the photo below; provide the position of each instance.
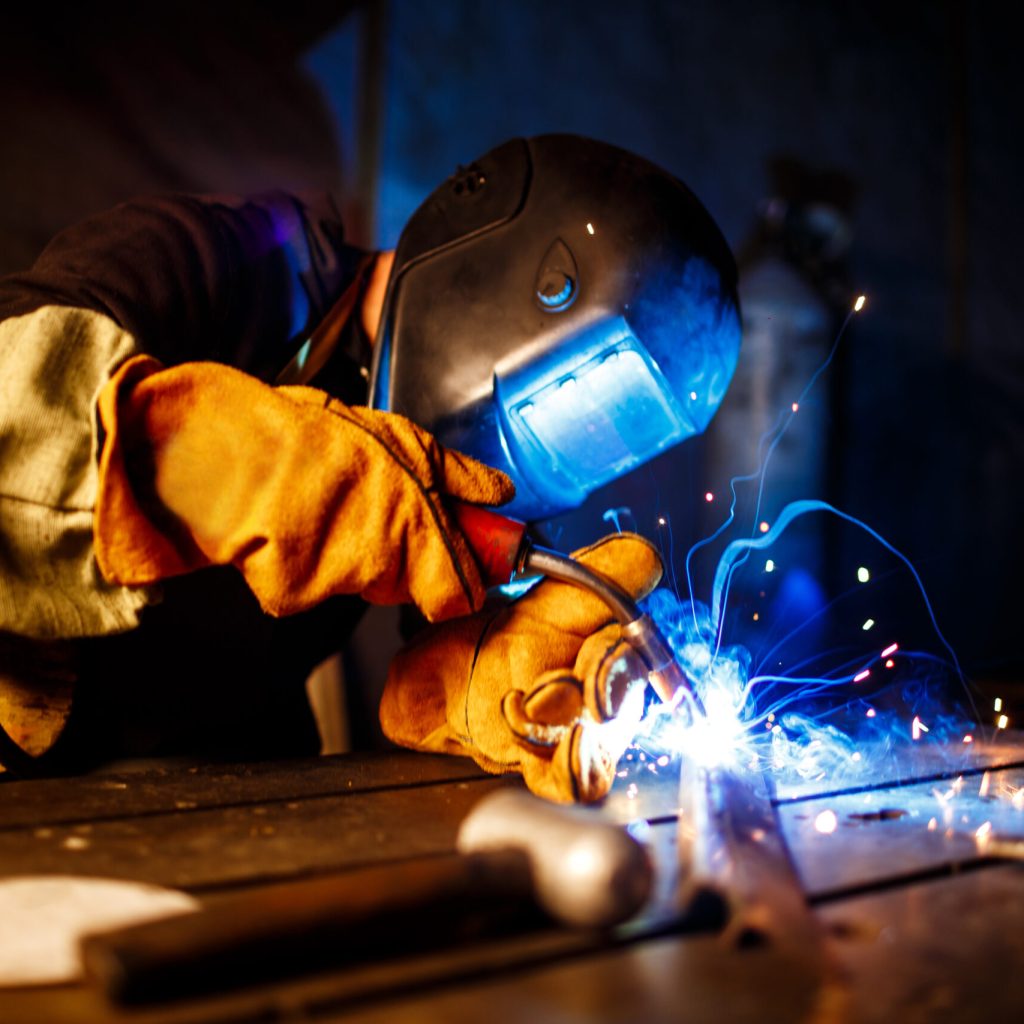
(495, 540)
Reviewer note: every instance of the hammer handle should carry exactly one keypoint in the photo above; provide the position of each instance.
(302, 925)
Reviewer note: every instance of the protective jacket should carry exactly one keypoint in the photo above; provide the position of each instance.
(192, 664)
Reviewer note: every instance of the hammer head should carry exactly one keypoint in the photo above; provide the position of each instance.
(587, 872)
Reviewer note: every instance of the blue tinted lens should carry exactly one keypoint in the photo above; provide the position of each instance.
(599, 421)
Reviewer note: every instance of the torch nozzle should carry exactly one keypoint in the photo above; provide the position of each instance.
(664, 673)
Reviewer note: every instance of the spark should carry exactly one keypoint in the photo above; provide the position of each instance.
(590, 228)
(983, 831)
(661, 520)
(891, 649)
(863, 574)
(769, 566)
(859, 304)
(826, 822)
(871, 712)
(757, 615)
(997, 704)
(868, 623)
(764, 527)
(855, 756)
(983, 788)
(862, 675)
(1002, 722)
(708, 496)
(933, 824)
(917, 727)
(663, 760)
(795, 406)
(693, 396)
(968, 738)
(889, 663)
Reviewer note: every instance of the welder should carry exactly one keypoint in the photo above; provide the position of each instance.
(224, 430)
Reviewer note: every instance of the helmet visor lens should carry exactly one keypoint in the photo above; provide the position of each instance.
(607, 416)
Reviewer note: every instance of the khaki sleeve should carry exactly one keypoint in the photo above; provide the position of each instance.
(54, 362)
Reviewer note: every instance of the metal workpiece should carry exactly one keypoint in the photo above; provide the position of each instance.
(639, 630)
(733, 862)
(586, 871)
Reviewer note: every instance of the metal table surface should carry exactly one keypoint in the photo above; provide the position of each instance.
(918, 922)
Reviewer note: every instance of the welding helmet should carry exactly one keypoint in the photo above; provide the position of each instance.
(562, 310)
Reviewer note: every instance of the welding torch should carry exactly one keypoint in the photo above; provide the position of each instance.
(504, 551)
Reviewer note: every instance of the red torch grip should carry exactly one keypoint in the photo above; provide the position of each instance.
(494, 539)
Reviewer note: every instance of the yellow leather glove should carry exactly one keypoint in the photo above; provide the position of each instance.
(523, 688)
(204, 465)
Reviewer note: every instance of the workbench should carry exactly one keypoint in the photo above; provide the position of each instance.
(919, 924)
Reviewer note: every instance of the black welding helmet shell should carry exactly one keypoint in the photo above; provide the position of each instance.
(562, 310)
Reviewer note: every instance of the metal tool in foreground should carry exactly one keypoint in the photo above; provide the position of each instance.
(505, 551)
(517, 853)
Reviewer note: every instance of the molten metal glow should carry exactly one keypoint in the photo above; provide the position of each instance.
(826, 822)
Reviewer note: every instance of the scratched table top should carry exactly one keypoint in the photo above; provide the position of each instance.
(921, 921)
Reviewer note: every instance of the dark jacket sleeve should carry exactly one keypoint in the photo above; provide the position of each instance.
(239, 281)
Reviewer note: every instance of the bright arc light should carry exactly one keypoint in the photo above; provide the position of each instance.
(826, 822)
(859, 304)
(863, 575)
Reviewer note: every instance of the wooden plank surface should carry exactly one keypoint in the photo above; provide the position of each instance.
(217, 846)
(153, 787)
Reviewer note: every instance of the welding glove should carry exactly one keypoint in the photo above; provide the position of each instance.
(204, 465)
(525, 687)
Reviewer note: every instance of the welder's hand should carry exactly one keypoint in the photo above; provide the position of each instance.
(525, 687)
(204, 465)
